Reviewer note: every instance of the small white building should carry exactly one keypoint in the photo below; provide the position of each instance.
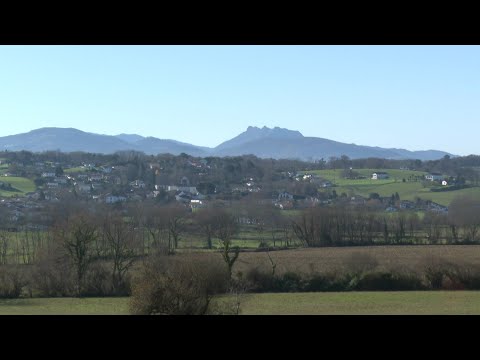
(195, 203)
(434, 177)
(379, 175)
(138, 184)
(112, 199)
(95, 177)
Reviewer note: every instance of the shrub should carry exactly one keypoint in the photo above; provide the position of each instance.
(328, 282)
(52, 276)
(98, 281)
(171, 286)
(439, 273)
(465, 277)
(12, 281)
(259, 281)
(289, 282)
(389, 281)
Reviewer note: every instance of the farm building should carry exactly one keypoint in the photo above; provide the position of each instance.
(379, 175)
(434, 177)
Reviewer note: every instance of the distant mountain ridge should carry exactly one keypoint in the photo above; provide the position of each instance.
(263, 142)
(254, 133)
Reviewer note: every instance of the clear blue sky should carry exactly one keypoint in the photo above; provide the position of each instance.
(413, 97)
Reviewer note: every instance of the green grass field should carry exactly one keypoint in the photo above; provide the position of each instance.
(364, 303)
(64, 306)
(24, 185)
(79, 169)
(395, 174)
(3, 169)
(354, 303)
(408, 190)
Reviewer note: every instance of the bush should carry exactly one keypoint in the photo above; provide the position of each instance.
(389, 281)
(98, 281)
(470, 279)
(329, 282)
(52, 276)
(435, 277)
(171, 286)
(289, 282)
(12, 281)
(465, 277)
(441, 274)
(260, 281)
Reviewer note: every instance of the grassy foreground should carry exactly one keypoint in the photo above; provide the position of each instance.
(365, 303)
(64, 306)
(356, 303)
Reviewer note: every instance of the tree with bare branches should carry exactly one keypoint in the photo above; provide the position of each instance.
(226, 228)
(77, 236)
(120, 239)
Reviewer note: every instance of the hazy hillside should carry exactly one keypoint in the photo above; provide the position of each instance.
(263, 142)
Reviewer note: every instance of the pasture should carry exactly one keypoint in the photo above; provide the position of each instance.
(345, 303)
(408, 190)
(364, 303)
(23, 185)
(64, 306)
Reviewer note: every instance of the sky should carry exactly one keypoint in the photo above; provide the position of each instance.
(411, 97)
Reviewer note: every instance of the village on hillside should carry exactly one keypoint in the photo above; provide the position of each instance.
(196, 186)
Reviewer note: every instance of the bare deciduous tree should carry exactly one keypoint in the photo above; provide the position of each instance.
(226, 228)
(3, 247)
(206, 220)
(120, 237)
(77, 237)
(465, 212)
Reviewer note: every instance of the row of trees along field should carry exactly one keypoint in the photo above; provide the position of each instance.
(83, 249)
(139, 229)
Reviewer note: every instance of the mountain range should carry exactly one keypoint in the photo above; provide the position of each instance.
(276, 143)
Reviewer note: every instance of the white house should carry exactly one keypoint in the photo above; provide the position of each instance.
(187, 189)
(138, 184)
(112, 199)
(379, 175)
(96, 177)
(434, 177)
(195, 203)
